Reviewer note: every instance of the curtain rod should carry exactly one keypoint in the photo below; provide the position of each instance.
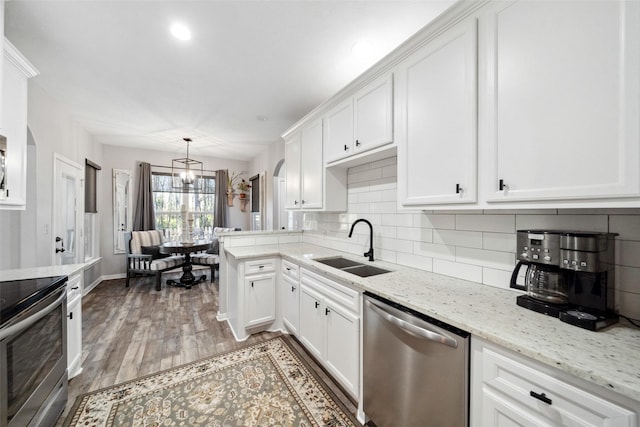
(169, 167)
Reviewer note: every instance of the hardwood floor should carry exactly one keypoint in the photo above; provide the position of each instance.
(137, 331)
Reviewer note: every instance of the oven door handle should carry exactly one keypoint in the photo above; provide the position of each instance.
(24, 324)
(413, 329)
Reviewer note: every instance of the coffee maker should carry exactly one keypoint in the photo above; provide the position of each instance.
(570, 275)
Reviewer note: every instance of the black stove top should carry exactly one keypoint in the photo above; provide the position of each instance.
(17, 295)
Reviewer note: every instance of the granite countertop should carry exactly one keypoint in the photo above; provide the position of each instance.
(35, 272)
(609, 358)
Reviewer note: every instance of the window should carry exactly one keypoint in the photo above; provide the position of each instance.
(90, 209)
(168, 201)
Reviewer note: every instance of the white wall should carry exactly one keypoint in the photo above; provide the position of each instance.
(53, 131)
(266, 162)
(115, 157)
(478, 246)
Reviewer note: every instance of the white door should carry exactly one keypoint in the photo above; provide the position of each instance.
(343, 344)
(437, 134)
(312, 321)
(291, 312)
(67, 210)
(261, 306)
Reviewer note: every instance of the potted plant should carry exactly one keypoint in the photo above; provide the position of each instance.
(243, 188)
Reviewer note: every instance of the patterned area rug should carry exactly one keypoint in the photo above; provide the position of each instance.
(265, 384)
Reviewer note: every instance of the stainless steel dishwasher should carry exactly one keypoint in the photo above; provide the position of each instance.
(416, 369)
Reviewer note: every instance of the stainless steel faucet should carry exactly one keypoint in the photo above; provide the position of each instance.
(370, 252)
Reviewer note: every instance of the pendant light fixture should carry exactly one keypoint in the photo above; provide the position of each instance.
(187, 173)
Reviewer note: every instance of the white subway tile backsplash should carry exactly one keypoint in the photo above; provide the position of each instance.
(628, 279)
(434, 251)
(468, 239)
(493, 223)
(400, 220)
(441, 221)
(492, 259)
(499, 242)
(415, 261)
(628, 304)
(455, 269)
(383, 207)
(597, 223)
(627, 226)
(496, 278)
(477, 245)
(415, 233)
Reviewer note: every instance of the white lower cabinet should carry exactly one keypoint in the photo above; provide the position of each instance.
(74, 325)
(509, 390)
(251, 295)
(290, 297)
(330, 327)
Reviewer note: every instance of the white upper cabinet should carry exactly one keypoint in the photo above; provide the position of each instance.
(362, 122)
(308, 182)
(560, 100)
(373, 112)
(13, 157)
(437, 138)
(338, 132)
(312, 166)
(292, 167)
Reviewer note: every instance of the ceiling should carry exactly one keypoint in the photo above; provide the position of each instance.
(250, 70)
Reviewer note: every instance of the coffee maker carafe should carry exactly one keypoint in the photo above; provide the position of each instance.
(570, 275)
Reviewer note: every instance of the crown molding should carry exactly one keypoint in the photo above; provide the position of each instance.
(13, 55)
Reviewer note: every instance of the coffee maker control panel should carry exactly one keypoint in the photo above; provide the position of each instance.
(538, 247)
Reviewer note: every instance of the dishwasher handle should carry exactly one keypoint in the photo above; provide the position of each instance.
(413, 329)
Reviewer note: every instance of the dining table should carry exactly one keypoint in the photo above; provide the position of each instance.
(187, 279)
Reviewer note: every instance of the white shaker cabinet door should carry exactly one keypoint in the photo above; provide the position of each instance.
(373, 114)
(292, 168)
(343, 345)
(312, 323)
(561, 89)
(312, 166)
(338, 132)
(291, 311)
(437, 147)
(260, 299)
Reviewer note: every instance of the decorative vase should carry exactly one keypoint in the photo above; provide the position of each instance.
(243, 195)
(230, 198)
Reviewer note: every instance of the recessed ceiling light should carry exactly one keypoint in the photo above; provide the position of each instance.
(180, 31)
(262, 118)
(362, 49)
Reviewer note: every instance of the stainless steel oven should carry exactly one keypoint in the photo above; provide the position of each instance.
(33, 351)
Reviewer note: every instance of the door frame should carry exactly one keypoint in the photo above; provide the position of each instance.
(79, 206)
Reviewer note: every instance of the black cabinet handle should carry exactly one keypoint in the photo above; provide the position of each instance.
(317, 304)
(293, 289)
(295, 202)
(75, 287)
(70, 316)
(303, 202)
(540, 396)
(252, 284)
(346, 148)
(358, 143)
(326, 311)
(261, 266)
(458, 189)
(501, 185)
(288, 269)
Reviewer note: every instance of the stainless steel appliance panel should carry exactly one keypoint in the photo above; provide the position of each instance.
(415, 372)
(33, 363)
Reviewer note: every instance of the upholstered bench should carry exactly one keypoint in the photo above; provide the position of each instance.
(144, 257)
(211, 258)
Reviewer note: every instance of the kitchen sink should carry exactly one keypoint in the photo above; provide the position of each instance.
(350, 266)
(365, 270)
(339, 262)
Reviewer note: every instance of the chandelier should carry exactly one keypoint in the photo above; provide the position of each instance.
(186, 173)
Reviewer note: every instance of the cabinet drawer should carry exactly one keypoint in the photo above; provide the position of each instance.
(74, 286)
(341, 294)
(260, 266)
(290, 269)
(552, 398)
